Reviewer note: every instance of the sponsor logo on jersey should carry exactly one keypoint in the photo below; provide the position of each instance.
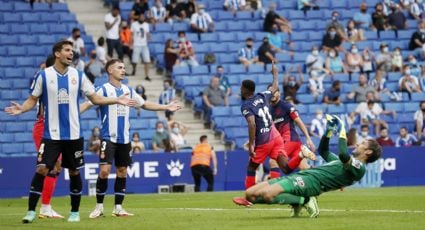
(63, 97)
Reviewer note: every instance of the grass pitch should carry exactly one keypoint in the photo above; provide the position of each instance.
(382, 208)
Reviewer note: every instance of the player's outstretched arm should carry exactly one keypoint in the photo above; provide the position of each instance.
(85, 106)
(342, 143)
(17, 109)
(101, 100)
(275, 84)
(173, 106)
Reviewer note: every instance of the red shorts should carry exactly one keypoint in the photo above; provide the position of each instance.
(292, 148)
(272, 149)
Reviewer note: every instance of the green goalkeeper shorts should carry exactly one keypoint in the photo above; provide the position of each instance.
(298, 185)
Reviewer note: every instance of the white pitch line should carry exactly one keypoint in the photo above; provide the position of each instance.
(285, 209)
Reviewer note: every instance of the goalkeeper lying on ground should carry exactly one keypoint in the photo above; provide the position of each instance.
(300, 189)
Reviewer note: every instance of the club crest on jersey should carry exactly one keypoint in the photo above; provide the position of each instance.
(245, 112)
(63, 97)
(300, 182)
(78, 154)
(73, 81)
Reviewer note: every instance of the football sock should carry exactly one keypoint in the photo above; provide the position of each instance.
(249, 179)
(324, 145)
(294, 162)
(274, 173)
(48, 188)
(35, 191)
(101, 186)
(119, 189)
(286, 198)
(75, 192)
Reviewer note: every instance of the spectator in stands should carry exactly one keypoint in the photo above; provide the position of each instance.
(224, 81)
(201, 21)
(93, 68)
(167, 96)
(126, 38)
(77, 62)
(157, 13)
(379, 19)
(384, 139)
(405, 139)
(186, 51)
(371, 114)
(419, 118)
(388, 7)
(405, 4)
(306, 5)
(331, 40)
(332, 95)
(274, 18)
(397, 60)
(266, 54)
(314, 61)
(359, 92)
(189, 7)
(172, 12)
(277, 40)
(363, 19)
(137, 146)
(177, 136)
(415, 68)
(315, 83)
(364, 134)
(318, 124)
(368, 61)
(140, 89)
(213, 96)
(383, 59)
(170, 56)
(352, 34)
(78, 42)
(334, 62)
(416, 10)
(422, 78)
(417, 40)
(408, 83)
(140, 35)
(354, 60)
(112, 24)
(397, 20)
(291, 85)
(379, 82)
(161, 139)
(139, 7)
(101, 52)
(94, 141)
(247, 54)
(336, 23)
(234, 5)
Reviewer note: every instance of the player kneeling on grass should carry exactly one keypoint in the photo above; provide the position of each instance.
(300, 189)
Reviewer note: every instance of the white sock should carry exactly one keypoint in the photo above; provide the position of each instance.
(100, 205)
(45, 207)
(118, 207)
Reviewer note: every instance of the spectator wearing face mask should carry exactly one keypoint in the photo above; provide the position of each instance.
(201, 21)
(334, 62)
(417, 40)
(368, 61)
(405, 139)
(419, 118)
(363, 19)
(335, 23)
(224, 81)
(291, 85)
(318, 124)
(415, 68)
(354, 60)
(331, 40)
(266, 53)
(314, 61)
(186, 52)
(384, 139)
(383, 59)
(94, 141)
(315, 83)
(352, 34)
(364, 134)
(177, 136)
(161, 139)
(157, 13)
(78, 42)
(417, 9)
(247, 54)
(379, 83)
(137, 146)
(397, 60)
(408, 83)
(279, 41)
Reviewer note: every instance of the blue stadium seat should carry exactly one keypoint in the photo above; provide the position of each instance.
(4, 29)
(236, 68)
(225, 15)
(6, 84)
(23, 137)
(312, 108)
(223, 37)
(387, 35)
(295, 14)
(37, 50)
(191, 81)
(12, 72)
(41, 7)
(181, 70)
(22, 7)
(209, 37)
(192, 37)
(283, 57)
(254, 26)
(201, 48)
(38, 28)
(58, 29)
(398, 107)
(353, 4)
(201, 69)
(163, 27)
(226, 58)
(12, 148)
(180, 27)
(12, 18)
(6, 7)
(335, 109)
(242, 36)
(243, 15)
(30, 18)
(220, 26)
(236, 26)
(306, 98)
(19, 29)
(16, 50)
(218, 111)
(418, 96)
(315, 36)
(25, 62)
(302, 109)
(49, 18)
(6, 137)
(67, 18)
(393, 76)
(314, 14)
(47, 40)
(254, 68)
(371, 35)
(7, 62)
(404, 35)
(60, 7)
(16, 127)
(220, 48)
(411, 107)
(307, 25)
(299, 36)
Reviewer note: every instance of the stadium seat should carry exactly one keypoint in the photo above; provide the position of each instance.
(242, 36)
(16, 51)
(418, 96)
(209, 37)
(225, 15)
(227, 58)
(59, 29)
(236, 68)
(335, 109)
(41, 7)
(254, 26)
(7, 62)
(226, 37)
(398, 107)
(201, 69)
(386, 35)
(295, 14)
(25, 62)
(12, 148)
(181, 70)
(67, 18)
(60, 7)
(236, 26)
(50, 18)
(180, 27)
(163, 27)
(244, 15)
(12, 18)
(254, 68)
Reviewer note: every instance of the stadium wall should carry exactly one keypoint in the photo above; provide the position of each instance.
(400, 167)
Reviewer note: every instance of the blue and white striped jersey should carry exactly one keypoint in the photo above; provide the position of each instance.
(116, 118)
(59, 95)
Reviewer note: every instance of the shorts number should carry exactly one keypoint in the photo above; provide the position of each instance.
(265, 115)
(103, 148)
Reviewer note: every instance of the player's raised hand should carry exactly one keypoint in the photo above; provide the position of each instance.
(274, 69)
(125, 100)
(15, 109)
(174, 105)
(251, 150)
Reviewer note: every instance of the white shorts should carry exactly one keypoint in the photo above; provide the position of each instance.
(142, 51)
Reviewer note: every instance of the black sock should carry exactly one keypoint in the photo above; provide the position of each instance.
(35, 191)
(306, 200)
(75, 192)
(119, 189)
(101, 186)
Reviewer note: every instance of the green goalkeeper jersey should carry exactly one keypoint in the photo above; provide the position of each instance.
(339, 171)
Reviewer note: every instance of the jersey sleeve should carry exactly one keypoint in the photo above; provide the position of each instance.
(293, 112)
(267, 95)
(356, 168)
(139, 100)
(36, 88)
(246, 111)
(86, 86)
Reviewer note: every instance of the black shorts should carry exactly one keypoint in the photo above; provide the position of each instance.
(72, 153)
(110, 151)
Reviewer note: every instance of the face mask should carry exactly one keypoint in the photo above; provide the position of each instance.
(201, 11)
(183, 40)
(332, 54)
(219, 74)
(93, 56)
(385, 49)
(354, 51)
(334, 18)
(413, 61)
(292, 83)
(319, 116)
(160, 130)
(315, 52)
(422, 30)
(364, 133)
(387, 1)
(96, 133)
(397, 53)
(332, 34)
(176, 130)
(135, 139)
(275, 31)
(77, 36)
(363, 10)
(407, 71)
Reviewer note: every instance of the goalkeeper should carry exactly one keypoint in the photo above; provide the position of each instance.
(300, 189)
